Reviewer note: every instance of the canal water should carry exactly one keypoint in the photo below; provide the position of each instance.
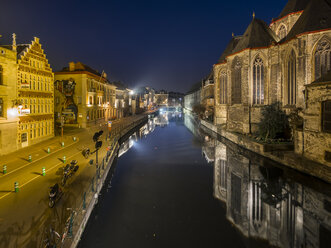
(178, 185)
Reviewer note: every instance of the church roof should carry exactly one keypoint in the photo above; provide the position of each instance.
(195, 87)
(79, 66)
(292, 6)
(316, 16)
(257, 35)
(229, 48)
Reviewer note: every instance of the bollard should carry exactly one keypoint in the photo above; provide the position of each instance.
(92, 185)
(48, 150)
(84, 201)
(43, 171)
(16, 187)
(4, 169)
(62, 144)
(30, 158)
(64, 159)
(74, 138)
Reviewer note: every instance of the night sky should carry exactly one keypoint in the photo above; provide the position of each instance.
(164, 44)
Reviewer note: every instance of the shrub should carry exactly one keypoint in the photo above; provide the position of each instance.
(274, 122)
(199, 109)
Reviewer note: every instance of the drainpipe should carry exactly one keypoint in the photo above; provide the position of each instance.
(249, 119)
(305, 92)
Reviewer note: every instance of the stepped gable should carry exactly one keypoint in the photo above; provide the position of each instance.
(293, 6)
(257, 35)
(316, 16)
(229, 48)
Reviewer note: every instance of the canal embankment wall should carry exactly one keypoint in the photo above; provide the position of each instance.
(90, 198)
(281, 153)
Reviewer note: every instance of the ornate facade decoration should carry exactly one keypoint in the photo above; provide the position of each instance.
(35, 94)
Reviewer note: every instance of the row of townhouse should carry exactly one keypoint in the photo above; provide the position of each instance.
(289, 62)
(33, 98)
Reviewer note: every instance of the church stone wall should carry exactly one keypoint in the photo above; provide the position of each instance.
(314, 142)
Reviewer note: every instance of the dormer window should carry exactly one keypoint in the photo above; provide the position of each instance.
(282, 32)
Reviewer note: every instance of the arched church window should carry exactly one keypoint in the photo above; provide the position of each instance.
(258, 81)
(236, 83)
(291, 79)
(322, 58)
(223, 87)
(282, 32)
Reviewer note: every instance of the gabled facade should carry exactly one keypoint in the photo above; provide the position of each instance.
(35, 94)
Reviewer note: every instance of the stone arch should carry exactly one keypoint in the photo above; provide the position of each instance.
(321, 57)
(281, 31)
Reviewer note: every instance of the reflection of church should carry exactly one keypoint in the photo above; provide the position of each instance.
(262, 204)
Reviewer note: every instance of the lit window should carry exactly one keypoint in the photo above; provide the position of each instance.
(258, 81)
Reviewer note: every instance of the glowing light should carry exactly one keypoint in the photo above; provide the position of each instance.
(12, 112)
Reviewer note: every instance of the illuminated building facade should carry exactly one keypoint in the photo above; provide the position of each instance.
(83, 96)
(8, 110)
(274, 63)
(35, 95)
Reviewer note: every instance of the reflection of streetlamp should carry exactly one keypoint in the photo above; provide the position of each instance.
(133, 102)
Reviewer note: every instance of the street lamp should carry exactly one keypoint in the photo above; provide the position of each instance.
(98, 144)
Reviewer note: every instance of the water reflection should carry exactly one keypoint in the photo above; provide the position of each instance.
(162, 120)
(261, 201)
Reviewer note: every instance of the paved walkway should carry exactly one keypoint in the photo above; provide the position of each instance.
(23, 215)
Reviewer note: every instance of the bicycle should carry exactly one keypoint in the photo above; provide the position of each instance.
(52, 238)
(68, 224)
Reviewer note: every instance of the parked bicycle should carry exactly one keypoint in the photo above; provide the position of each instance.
(69, 170)
(51, 238)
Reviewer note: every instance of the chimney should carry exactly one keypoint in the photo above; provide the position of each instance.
(71, 66)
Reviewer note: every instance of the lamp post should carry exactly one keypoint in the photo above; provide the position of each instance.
(62, 125)
(98, 145)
